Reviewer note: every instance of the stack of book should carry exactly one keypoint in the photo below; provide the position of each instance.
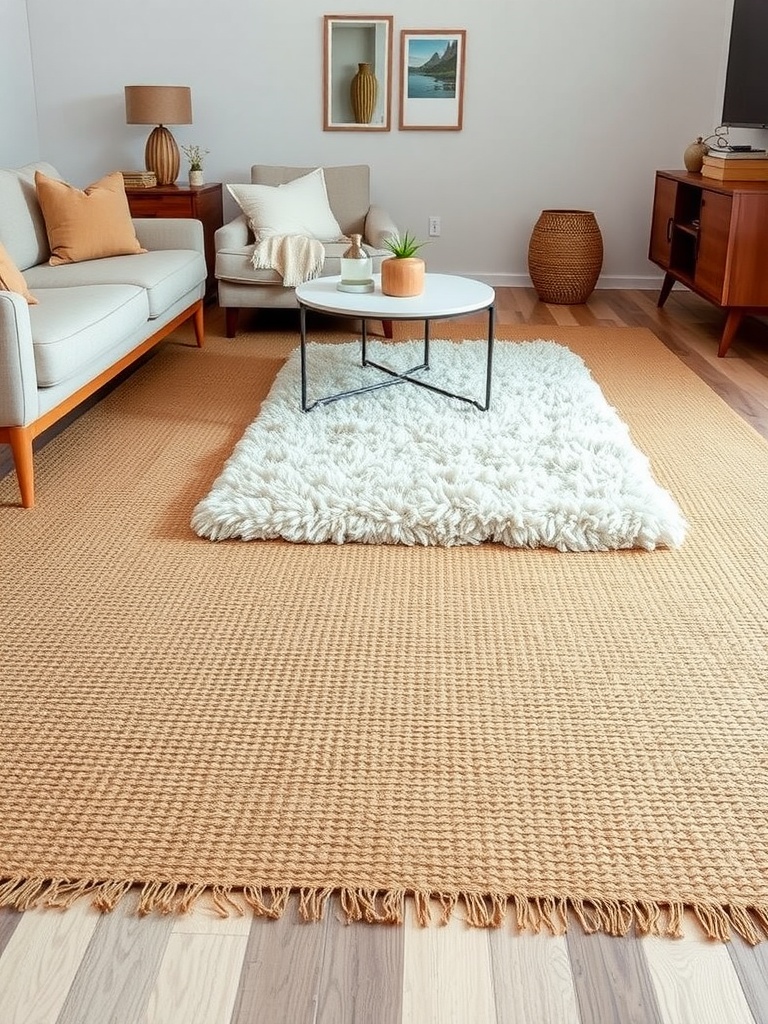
(741, 165)
(139, 179)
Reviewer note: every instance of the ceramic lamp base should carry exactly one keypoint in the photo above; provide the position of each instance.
(162, 156)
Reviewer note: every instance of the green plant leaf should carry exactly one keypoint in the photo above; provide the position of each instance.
(403, 246)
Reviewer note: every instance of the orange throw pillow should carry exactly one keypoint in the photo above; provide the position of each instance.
(12, 279)
(86, 224)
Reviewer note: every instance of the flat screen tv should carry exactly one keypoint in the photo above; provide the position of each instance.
(745, 101)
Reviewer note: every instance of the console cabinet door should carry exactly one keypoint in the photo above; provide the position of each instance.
(664, 199)
(712, 246)
(747, 283)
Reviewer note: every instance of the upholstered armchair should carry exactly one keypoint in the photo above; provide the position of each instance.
(348, 190)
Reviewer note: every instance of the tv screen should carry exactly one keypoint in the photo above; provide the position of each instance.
(745, 102)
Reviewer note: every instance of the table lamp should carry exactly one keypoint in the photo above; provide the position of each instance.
(160, 105)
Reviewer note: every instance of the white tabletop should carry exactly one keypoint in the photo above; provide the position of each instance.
(443, 295)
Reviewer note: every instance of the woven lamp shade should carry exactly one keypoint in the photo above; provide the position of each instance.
(160, 105)
(565, 255)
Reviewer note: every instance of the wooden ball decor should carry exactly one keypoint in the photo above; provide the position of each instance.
(565, 255)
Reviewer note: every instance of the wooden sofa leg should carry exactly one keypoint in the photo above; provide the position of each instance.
(20, 440)
(232, 315)
(199, 322)
(387, 328)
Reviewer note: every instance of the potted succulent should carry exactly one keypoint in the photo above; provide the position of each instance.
(195, 155)
(402, 273)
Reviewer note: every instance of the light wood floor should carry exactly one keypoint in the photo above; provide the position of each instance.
(81, 967)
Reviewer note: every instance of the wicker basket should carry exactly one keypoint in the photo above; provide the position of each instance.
(565, 255)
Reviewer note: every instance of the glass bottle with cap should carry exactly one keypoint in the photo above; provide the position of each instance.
(356, 268)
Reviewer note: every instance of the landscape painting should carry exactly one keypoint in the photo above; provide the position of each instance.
(432, 65)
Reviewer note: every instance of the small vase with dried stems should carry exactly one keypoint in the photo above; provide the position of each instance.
(195, 155)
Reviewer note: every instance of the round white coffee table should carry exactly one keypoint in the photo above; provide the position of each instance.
(444, 296)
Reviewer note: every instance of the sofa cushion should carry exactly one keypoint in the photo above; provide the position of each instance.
(299, 207)
(12, 279)
(86, 224)
(72, 327)
(166, 274)
(234, 264)
(22, 228)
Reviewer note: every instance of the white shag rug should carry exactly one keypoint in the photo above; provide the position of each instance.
(550, 464)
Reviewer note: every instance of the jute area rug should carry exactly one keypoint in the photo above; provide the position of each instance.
(560, 736)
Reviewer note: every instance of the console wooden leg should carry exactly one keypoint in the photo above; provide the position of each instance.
(666, 288)
(387, 328)
(20, 440)
(232, 315)
(732, 324)
(199, 322)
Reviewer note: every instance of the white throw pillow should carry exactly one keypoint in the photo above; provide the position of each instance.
(299, 207)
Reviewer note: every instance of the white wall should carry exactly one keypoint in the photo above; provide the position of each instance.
(568, 103)
(18, 117)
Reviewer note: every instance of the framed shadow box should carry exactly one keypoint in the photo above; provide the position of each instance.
(357, 72)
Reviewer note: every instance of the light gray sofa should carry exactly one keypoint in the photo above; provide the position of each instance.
(242, 287)
(92, 319)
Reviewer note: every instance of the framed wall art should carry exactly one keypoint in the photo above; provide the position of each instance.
(432, 65)
(357, 72)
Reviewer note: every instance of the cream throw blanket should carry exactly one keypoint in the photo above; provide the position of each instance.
(296, 258)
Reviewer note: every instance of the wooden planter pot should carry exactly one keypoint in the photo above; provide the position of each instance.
(402, 277)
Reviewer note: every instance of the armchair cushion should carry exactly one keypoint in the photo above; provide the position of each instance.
(298, 207)
(235, 263)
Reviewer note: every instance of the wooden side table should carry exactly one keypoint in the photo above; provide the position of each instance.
(201, 202)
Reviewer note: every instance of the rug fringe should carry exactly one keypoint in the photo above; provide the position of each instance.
(267, 901)
(387, 906)
(376, 906)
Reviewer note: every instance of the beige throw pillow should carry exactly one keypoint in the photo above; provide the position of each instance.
(299, 207)
(12, 279)
(86, 224)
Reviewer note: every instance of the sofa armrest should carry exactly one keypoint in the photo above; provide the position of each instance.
(157, 233)
(233, 235)
(378, 226)
(18, 377)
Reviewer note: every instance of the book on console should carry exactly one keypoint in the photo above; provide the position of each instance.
(139, 179)
(727, 175)
(735, 167)
(741, 154)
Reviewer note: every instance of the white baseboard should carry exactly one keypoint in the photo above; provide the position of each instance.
(651, 282)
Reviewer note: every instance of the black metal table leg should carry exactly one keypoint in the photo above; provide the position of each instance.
(394, 377)
(303, 323)
(489, 359)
